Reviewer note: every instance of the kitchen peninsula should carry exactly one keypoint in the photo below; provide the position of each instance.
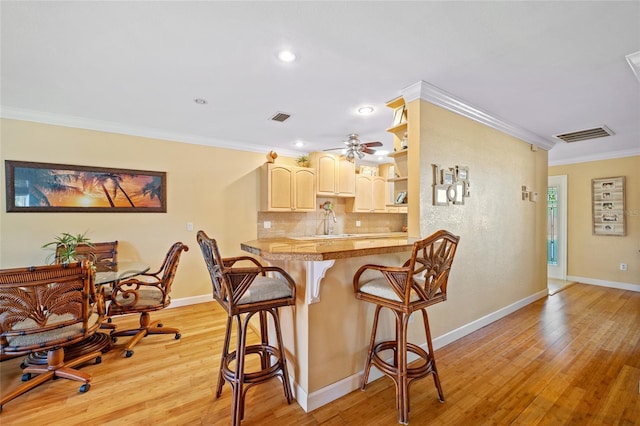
(327, 333)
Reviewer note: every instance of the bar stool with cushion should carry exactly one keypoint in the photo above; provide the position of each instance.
(248, 291)
(420, 282)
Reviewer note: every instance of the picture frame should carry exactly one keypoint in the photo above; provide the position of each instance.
(398, 116)
(608, 199)
(440, 197)
(401, 198)
(44, 187)
(447, 177)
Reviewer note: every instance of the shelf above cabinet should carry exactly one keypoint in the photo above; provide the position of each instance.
(402, 127)
(398, 179)
(396, 154)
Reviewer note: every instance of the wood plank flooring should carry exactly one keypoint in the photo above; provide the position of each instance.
(571, 358)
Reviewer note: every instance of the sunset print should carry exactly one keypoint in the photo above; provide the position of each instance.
(70, 188)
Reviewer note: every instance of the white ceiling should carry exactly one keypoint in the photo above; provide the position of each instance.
(136, 68)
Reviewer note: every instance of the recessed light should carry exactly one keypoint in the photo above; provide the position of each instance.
(200, 101)
(365, 110)
(382, 153)
(286, 56)
(299, 144)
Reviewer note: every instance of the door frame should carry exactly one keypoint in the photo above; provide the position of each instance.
(559, 272)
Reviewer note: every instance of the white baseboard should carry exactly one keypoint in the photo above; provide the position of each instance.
(604, 283)
(336, 390)
(193, 300)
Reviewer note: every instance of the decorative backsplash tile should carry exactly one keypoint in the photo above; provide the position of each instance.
(298, 224)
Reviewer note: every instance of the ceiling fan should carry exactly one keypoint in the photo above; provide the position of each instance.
(356, 148)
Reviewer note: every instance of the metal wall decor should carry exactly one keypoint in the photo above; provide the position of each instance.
(450, 185)
(607, 195)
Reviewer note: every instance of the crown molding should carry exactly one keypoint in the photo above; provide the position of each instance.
(146, 132)
(432, 94)
(612, 155)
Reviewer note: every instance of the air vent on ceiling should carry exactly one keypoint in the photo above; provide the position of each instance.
(280, 116)
(583, 135)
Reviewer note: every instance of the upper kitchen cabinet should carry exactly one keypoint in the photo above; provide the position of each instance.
(287, 188)
(336, 176)
(370, 195)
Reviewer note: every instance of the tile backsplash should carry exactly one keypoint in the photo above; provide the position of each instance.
(287, 224)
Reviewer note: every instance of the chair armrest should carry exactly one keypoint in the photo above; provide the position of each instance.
(283, 274)
(230, 261)
(384, 270)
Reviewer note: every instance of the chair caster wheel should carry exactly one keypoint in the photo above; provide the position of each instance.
(114, 339)
(23, 365)
(160, 325)
(99, 360)
(128, 354)
(178, 335)
(84, 388)
(26, 377)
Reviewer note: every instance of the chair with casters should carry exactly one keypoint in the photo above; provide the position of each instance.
(46, 309)
(420, 282)
(103, 255)
(146, 293)
(244, 291)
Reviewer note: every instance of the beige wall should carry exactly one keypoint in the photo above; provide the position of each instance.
(211, 187)
(501, 258)
(598, 257)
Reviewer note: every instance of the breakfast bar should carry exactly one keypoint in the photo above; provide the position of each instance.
(327, 333)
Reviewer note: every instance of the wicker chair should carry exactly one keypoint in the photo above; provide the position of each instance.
(248, 290)
(420, 282)
(47, 308)
(104, 255)
(146, 293)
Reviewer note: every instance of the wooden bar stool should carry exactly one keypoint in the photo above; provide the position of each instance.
(420, 282)
(248, 290)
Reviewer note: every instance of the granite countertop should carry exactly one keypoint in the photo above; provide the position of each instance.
(328, 247)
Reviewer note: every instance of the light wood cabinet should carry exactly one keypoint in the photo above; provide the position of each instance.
(370, 194)
(336, 176)
(288, 188)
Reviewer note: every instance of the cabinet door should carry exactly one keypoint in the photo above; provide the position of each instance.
(346, 177)
(378, 199)
(327, 165)
(305, 190)
(362, 202)
(280, 188)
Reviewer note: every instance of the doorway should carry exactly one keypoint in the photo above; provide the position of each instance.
(557, 233)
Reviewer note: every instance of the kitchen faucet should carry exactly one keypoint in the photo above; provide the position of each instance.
(328, 210)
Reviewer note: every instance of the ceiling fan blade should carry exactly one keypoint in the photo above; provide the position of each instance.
(368, 150)
(372, 144)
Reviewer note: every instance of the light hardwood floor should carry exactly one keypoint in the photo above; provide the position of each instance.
(570, 358)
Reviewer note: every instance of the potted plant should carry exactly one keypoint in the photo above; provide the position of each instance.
(64, 246)
(303, 161)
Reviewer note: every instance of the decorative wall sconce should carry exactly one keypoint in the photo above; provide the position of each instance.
(451, 185)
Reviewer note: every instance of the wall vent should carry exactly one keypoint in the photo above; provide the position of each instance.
(280, 116)
(583, 135)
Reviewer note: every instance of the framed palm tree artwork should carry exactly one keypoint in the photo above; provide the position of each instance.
(43, 187)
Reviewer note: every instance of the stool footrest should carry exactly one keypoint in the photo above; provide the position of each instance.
(424, 368)
(268, 352)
